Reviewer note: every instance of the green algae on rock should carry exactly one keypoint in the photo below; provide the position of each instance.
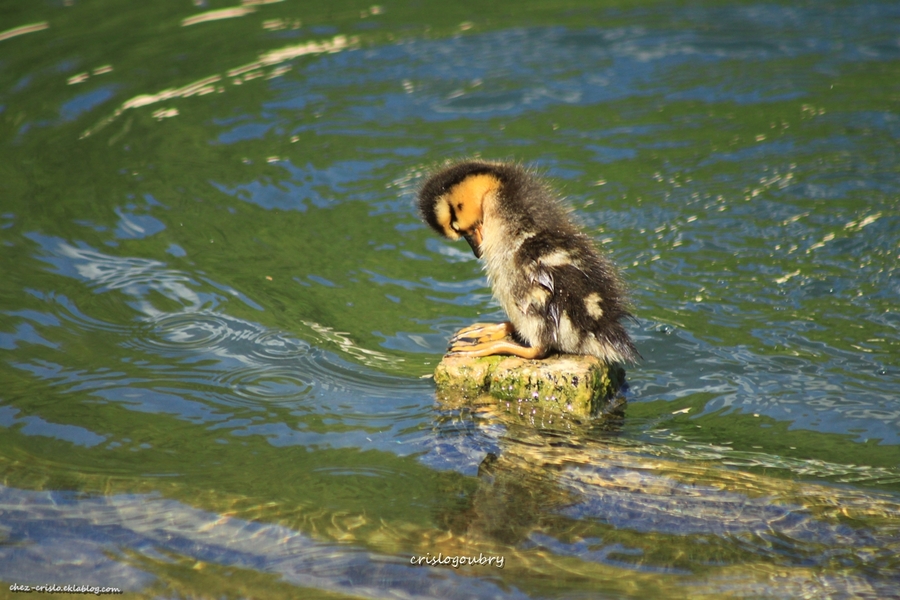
(582, 386)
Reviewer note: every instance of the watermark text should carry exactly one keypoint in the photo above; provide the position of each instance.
(64, 589)
(458, 561)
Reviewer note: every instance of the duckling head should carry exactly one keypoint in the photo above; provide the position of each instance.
(452, 201)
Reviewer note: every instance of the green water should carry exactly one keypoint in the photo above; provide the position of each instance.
(218, 308)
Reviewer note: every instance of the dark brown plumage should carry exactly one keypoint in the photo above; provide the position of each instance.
(559, 293)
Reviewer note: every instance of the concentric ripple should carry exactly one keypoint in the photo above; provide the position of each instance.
(186, 332)
(267, 383)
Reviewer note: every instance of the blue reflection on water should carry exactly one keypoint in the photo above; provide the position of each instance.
(84, 102)
(86, 539)
(306, 186)
(516, 71)
(133, 226)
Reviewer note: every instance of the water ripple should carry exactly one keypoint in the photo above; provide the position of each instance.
(267, 383)
(186, 332)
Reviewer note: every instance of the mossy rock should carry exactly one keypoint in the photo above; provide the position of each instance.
(581, 386)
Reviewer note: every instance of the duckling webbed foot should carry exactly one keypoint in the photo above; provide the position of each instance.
(503, 346)
(488, 339)
(480, 333)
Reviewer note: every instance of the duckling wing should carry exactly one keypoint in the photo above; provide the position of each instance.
(543, 277)
(537, 300)
(547, 264)
(564, 306)
(571, 298)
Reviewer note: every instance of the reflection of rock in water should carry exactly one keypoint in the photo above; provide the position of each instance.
(581, 496)
(513, 497)
(508, 504)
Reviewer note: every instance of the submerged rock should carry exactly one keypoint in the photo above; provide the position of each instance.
(582, 386)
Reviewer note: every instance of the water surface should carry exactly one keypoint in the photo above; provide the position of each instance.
(218, 308)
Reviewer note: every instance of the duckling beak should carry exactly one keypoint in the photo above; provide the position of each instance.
(474, 239)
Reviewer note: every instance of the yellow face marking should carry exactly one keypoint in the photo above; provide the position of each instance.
(466, 200)
(593, 305)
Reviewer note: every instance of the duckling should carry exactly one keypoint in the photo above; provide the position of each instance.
(559, 293)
